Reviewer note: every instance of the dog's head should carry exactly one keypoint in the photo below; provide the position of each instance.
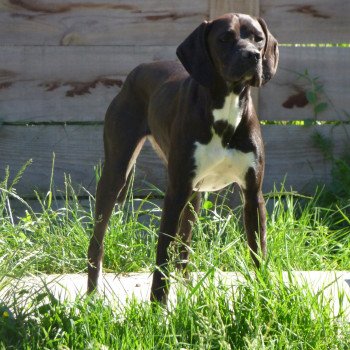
(236, 48)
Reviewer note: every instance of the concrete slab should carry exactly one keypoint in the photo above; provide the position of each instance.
(120, 288)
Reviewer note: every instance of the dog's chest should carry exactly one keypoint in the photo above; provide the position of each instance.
(216, 165)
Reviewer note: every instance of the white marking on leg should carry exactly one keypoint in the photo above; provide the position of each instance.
(99, 278)
(134, 156)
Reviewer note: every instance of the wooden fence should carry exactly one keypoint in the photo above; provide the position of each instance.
(62, 62)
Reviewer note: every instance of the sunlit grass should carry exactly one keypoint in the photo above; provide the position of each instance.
(262, 312)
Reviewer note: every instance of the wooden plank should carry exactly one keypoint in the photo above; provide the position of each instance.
(284, 97)
(77, 150)
(311, 21)
(44, 62)
(66, 83)
(289, 150)
(219, 7)
(108, 23)
(99, 22)
(55, 84)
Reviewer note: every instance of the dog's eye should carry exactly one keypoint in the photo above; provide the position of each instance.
(227, 37)
(258, 38)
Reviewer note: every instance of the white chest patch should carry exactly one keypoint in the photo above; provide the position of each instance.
(217, 166)
(230, 112)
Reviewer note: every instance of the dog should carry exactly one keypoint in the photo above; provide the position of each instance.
(199, 116)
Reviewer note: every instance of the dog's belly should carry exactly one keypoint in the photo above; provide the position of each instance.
(218, 167)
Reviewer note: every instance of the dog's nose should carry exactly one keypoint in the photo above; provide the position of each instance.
(251, 55)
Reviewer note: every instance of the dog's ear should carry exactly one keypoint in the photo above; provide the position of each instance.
(194, 55)
(271, 54)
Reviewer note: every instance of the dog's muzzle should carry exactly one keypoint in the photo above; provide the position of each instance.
(247, 68)
(251, 64)
(252, 56)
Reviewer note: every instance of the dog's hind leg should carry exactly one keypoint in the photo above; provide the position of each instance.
(123, 143)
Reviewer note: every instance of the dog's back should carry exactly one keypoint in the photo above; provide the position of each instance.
(146, 79)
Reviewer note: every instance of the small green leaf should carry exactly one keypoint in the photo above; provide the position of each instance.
(308, 122)
(207, 205)
(311, 96)
(320, 107)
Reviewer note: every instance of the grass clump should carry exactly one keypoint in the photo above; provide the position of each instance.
(261, 311)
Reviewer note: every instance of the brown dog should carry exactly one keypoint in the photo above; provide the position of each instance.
(200, 117)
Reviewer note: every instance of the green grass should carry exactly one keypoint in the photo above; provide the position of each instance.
(261, 313)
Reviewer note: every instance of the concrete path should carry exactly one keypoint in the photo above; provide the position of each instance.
(120, 288)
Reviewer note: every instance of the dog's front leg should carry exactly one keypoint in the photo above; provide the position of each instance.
(174, 203)
(188, 218)
(255, 222)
